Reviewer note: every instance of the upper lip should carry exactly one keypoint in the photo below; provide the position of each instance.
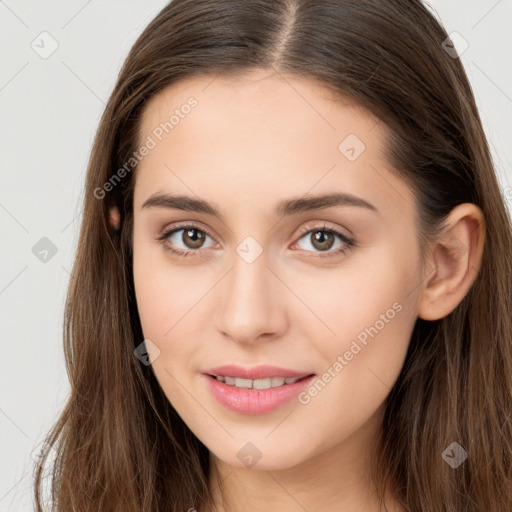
(254, 372)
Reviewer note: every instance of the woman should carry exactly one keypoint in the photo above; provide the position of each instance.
(293, 280)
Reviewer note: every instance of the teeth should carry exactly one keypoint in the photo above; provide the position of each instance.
(273, 382)
(243, 383)
(276, 381)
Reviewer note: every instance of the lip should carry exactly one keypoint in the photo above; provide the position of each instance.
(255, 372)
(255, 401)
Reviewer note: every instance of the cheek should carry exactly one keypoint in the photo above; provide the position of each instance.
(349, 298)
(164, 291)
(372, 317)
(170, 303)
(166, 297)
(365, 313)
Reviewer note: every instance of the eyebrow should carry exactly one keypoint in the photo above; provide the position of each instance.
(284, 208)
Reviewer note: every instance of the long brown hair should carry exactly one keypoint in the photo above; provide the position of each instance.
(120, 445)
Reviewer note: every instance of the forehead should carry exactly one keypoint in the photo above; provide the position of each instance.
(261, 129)
(258, 99)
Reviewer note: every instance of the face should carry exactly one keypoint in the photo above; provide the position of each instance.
(267, 275)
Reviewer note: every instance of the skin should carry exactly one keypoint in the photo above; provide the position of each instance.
(248, 144)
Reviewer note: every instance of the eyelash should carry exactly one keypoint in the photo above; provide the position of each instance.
(349, 242)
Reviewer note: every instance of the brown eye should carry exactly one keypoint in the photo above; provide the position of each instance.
(193, 238)
(184, 240)
(322, 240)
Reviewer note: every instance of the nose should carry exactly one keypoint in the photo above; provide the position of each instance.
(251, 303)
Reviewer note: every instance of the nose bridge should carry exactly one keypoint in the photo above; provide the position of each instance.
(250, 305)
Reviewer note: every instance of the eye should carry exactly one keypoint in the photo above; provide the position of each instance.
(322, 239)
(192, 239)
(319, 238)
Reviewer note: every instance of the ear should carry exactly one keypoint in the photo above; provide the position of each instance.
(115, 218)
(454, 261)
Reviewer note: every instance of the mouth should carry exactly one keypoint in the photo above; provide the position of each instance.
(256, 396)
(258, 384)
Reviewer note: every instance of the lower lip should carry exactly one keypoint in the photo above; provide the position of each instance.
(255, 401)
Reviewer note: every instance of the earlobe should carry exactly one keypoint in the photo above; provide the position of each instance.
(456, 259)
(115, 217)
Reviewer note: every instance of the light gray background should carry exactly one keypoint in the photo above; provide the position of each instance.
(50, 109)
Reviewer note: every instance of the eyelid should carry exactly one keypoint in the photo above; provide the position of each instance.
(303, 230)
(322, 224)
(176, 226)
